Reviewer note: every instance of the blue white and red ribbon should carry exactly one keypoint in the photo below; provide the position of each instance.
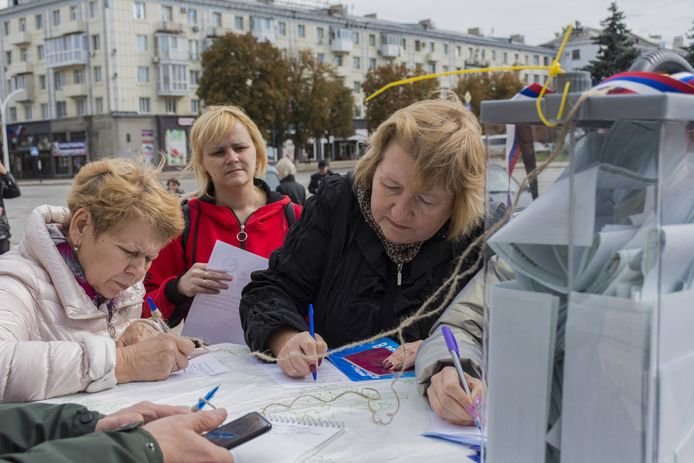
(648, 83)
(513, 152)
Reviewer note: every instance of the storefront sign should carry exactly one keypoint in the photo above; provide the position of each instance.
(72, 148)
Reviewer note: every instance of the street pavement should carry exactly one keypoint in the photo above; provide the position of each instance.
(54, 192)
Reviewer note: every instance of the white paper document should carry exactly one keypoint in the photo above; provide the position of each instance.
(215, 317)
(327, 374)
(204, 365)
(442, 429)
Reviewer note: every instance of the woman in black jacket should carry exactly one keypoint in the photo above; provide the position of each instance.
(286, 170)
(371, 248)
(8, 189)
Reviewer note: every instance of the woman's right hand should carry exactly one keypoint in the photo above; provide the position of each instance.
(199, 279)
(152, 359)
(292, 347)
(449, 400)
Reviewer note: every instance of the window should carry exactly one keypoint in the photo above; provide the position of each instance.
(192, 16)
(8, 57)
(27, 112)
(194, 77)
(417, 45)
(144, 105)
(536, 78)
(445, 49)
(536, 60)
(97, 73)
(60, 109)
(92, 9)
(138, 10)
(357, 86)
(527, 59)
(432, 68)
(6, 28)
(575, 54)
(142, 74)
(338, 60)
(170, 105)
(56, 17)
(99, 105)
(58, 80)
(78, 76)
(44, 111)
(39, 51)
(372, 40)
(484, 55)
(356, 62)
(141, 43)
(238, 22)
(282, 26)
(505, 57)
(216, 19)
(546, 61)
(301, 31)
(75, 13)
(42, 81)
(194, 106)
(81, 106)
(458, 51)
(355, 37)
(432, 47)
(22, 24)
(372, 63)
(96, 42)
(23, 54)
(194, 49)
(13, 114)
(494, 55)
(38, 21)
(320, 34)
(166, 13)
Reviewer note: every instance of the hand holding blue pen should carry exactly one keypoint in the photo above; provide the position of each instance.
(205, 400)
(452, 346)
(156, 315)
(312, 331)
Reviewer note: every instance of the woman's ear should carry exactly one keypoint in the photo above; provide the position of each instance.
(79, 223)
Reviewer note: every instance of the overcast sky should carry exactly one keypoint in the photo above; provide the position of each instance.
(538, 20)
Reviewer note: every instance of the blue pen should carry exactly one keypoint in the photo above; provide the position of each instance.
(313, 334)
(452, 346)
(156, 315)
(201, 403)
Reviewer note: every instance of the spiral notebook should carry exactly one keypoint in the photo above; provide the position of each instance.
(291, 440)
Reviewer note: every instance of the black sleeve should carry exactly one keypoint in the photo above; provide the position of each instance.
(26, 425)
(11, 189)
(313, 186)
(279, 296)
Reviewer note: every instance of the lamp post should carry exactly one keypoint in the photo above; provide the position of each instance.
(5, 147)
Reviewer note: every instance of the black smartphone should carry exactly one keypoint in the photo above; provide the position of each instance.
(239, 431)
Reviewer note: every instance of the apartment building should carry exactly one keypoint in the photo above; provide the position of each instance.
(119, 77)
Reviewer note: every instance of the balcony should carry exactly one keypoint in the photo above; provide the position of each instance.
(173, 80)
(169, 27)
(217, 31)
(27, 84)
(19, 38)
(389, 50)
(341, 45)
(264, 29)
(68, 50)
(75, 90)
(164, 90)
(169, 56)
(431, 57)
(21, 67)
(69, 27)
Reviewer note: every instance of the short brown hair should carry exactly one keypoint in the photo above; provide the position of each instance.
(445, 140)
(117, 190)
(211, 127)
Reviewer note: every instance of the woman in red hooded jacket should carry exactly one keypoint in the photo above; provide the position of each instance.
(232, 205)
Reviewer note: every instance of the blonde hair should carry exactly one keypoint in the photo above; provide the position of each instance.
(445, 141)
(285, 167)
(212, 127)
(118, 190)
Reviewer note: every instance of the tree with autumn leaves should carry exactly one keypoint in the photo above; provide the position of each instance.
(293, 97)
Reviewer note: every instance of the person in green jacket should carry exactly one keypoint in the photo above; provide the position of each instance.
(145, 432)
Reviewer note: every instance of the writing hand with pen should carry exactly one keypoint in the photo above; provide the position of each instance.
(291, 347)
(453, 394)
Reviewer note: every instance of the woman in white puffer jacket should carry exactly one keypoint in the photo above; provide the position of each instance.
(71, 292)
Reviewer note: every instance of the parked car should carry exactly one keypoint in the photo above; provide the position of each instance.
(496, 145)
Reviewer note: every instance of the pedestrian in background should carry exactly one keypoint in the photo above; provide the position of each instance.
(288, 184)
(173, 186)
(8, 189)
(318, 177)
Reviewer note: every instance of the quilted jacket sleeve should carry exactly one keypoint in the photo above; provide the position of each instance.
(33, 369)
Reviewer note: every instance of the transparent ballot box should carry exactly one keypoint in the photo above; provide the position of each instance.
(589, 352)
